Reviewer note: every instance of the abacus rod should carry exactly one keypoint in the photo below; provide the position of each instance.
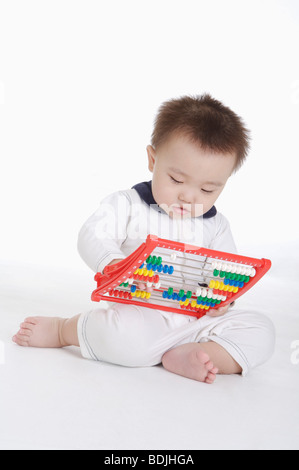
(207, 260)
(179, 281)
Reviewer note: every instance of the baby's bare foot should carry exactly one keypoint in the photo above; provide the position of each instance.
(190, 361)
(41, 332)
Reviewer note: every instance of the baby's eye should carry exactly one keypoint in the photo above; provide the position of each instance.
(175, 181)
(206, 191)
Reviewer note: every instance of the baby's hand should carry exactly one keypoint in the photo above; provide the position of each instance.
(140, 285)
(218, 312)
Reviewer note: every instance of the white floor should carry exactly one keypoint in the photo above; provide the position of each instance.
(54, 399)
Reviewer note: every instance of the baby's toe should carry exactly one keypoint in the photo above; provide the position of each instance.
(31, 320)
(21, 340)
(210, 378)
(26, 326)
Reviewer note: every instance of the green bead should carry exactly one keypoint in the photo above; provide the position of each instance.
(189, 294)
(170, 291)
(215, 272)
(159, 261)
(149, 259)
(181, 293)
(222, 273)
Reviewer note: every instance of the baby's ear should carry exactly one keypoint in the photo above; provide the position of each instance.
(151, 154)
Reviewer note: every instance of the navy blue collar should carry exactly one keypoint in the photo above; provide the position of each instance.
(145, 192)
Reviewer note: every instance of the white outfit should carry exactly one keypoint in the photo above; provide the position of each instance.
(137, 336)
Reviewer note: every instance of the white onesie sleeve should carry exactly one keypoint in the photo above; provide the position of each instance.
(223, 238)
(101, 237)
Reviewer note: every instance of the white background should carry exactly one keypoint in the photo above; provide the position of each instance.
(81, 81)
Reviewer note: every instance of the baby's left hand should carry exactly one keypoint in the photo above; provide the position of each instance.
(218, 312)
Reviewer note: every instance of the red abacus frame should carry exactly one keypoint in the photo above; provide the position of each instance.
(108, 283)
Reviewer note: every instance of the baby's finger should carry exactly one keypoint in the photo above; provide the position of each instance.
(217, 312)
(144, 286)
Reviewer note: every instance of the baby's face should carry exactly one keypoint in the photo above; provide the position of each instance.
(187, 180)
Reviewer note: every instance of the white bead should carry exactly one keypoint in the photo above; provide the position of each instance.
(228, 268)
(252, 272)
(233, 268)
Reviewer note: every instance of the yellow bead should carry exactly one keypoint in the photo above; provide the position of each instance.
(221, 287)
(225, 288)
(186, 302)
(143, 294)
(151, 273)
(206, 307)
(235, 290)
(138, 293)
(193, 303)
(217, 284)
(212, 284)
(136, 272)
(145, 272)
(148, 295)
(230, 289)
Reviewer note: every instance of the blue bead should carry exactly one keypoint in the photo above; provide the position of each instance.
(226, 282)
(165, 269)
(170, 270)
(141, 266)
(184, 298)
(154, 267)
(160, 268)
(133, 288)
(165, 294)
(149, 266)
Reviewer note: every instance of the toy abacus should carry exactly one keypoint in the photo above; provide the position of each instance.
(178, 277)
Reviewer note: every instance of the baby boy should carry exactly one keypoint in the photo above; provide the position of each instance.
(197, 144)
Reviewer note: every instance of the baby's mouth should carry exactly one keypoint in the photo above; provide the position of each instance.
(181, 210)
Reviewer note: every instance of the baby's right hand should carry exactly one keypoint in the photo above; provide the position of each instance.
(140, 285)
